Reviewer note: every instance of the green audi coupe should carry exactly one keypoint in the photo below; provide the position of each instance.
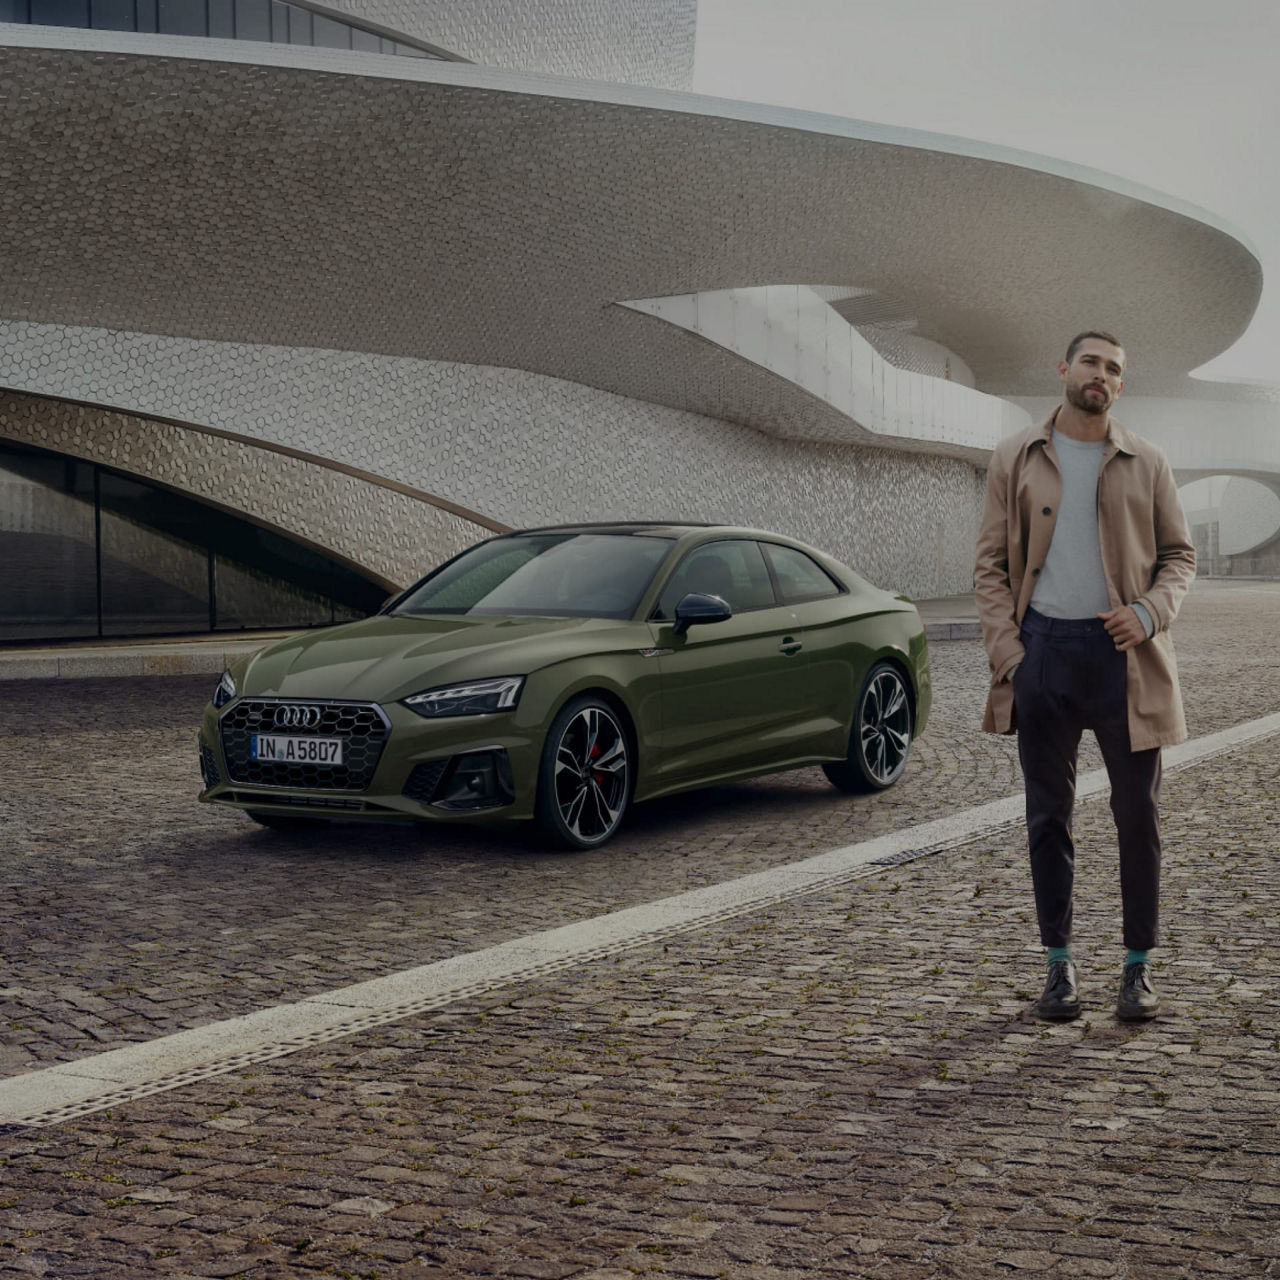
(560, 674)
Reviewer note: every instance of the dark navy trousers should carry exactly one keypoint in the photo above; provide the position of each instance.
(1072, 679)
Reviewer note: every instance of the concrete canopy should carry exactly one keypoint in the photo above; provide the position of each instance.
(447, 212)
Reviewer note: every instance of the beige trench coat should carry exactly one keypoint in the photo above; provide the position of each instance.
(1147, 557)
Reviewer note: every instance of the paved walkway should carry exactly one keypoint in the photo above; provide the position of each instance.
(841, 1082)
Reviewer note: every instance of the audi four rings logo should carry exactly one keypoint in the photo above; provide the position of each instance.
(295, 716)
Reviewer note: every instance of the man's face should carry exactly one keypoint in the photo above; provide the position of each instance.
(1094, 377)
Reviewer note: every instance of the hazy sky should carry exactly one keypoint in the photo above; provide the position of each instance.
(1180, 96)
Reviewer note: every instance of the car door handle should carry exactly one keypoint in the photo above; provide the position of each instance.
(790, 646)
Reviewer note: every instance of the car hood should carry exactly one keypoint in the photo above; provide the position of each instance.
(387, 657)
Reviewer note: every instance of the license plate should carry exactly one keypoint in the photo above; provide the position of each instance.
(294, 750)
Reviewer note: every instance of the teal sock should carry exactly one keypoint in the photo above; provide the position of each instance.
(1135, 957)
(1059, 953)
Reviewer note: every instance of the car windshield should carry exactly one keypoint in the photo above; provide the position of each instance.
(563, 575)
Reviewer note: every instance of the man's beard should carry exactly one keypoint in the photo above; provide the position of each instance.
(1098, 405)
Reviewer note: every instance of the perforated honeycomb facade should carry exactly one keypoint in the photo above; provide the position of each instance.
(393, 536)
(633, 42)
(368, 203)
(516, 448)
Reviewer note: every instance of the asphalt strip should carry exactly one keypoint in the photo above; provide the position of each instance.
(55, 1094)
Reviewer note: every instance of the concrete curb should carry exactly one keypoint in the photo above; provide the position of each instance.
(94, 664)
(937, 631)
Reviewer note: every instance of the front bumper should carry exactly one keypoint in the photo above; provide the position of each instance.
(403, 767)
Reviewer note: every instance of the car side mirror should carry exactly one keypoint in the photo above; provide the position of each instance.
(702, 609)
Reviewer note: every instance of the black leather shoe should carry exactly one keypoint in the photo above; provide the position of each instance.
(1138, 999)
(1059, 1001)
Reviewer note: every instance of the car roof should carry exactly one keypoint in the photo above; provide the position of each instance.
(653, 528)
(658, 529)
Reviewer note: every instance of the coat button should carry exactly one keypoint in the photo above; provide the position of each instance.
(1047, 511)
(1035, 573)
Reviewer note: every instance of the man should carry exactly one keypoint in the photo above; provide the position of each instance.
(1083, 559)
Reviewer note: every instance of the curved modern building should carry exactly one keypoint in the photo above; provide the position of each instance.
(297, 299)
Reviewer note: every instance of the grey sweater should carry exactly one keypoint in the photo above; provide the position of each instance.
(1072, 582)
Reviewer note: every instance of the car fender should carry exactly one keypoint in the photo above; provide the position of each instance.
(626, 678)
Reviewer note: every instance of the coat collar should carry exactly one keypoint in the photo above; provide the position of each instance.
(1118, 439)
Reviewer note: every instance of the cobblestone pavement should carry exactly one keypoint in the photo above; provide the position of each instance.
(847, 1084)
(844, 1085)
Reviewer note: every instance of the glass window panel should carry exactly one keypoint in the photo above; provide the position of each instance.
(409, 51)
(155, 567)
(255, 598)
(279, 22)
(366, 41)
(14, 11)
(112, 15)
(60, 13)
(222, 22)
(48, 589)
(299, 25)
(354, 596)
(146, 11)
(266, 580)
(182, 18)
(332, 35)
(799, 577)
(253, 20)
(155, 560)
(733, 569)
(580, 575)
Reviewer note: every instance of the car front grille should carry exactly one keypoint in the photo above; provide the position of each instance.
(208, 768)
(361, 725)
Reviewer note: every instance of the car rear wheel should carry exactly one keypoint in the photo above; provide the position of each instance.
(585, 777)
(880, 738)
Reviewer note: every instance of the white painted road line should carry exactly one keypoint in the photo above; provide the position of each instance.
(54, 1094)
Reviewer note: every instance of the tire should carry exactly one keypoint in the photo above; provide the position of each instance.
(880, 737)
(282, 821)
(586, 775)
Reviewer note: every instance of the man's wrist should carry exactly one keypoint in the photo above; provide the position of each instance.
(1005, 672)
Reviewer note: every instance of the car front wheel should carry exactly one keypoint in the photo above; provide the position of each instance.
(585, 777)
(880, 738)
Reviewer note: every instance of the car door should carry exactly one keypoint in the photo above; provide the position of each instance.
(822, 610)
(730, 690)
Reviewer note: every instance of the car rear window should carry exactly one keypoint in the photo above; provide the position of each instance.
(800, 578)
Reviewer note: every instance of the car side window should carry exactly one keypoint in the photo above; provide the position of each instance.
(733, 569)
(800, 578)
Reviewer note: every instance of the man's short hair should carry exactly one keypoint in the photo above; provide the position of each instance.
(1074, 345)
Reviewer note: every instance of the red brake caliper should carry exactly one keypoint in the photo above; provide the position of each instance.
(595, 751)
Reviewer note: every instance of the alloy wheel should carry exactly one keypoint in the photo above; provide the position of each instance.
(592, 779)
(885, 726)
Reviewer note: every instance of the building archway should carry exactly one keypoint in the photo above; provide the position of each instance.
(1235, 524)
(92, 552)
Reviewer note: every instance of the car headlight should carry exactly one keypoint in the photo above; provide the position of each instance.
(225, 691)
(475, 698)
